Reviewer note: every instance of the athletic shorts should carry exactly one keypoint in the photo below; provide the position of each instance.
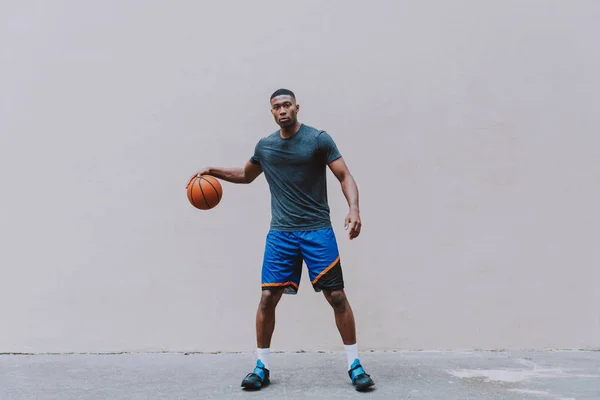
(285, 252)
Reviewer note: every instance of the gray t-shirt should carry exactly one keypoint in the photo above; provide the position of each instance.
(295, 169)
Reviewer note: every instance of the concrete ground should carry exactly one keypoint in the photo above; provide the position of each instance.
(398, 375)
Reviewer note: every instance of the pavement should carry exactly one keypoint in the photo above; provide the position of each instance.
(507, 375)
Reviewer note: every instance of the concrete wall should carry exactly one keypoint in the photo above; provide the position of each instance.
(472, 129)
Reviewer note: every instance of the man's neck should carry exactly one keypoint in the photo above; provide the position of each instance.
(290, 131)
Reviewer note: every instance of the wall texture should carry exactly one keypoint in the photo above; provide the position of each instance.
(472, 129)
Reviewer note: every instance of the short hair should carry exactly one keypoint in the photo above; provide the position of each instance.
(281, 92)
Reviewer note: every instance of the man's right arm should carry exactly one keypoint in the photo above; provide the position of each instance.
(234, 175)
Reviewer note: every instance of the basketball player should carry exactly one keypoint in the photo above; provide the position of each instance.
(294, 159)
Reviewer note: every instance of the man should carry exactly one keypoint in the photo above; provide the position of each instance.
(294, 159)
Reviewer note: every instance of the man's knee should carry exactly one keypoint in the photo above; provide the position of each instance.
(338, 300)
(269, 299)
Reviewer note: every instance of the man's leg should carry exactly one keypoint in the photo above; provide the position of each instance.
(265, 317)
(265, 325)
(281, 273)
(320, 251)
(344, 319)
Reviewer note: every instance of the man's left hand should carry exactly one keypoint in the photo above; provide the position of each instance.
(353, 223)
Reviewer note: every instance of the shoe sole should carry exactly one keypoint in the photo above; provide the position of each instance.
(365, 386)
(254, 386)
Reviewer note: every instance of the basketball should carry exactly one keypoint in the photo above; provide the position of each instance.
(204, 192)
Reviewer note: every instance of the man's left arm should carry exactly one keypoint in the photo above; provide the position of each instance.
(350, 190)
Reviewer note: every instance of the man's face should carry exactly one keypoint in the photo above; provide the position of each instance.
(285, 110)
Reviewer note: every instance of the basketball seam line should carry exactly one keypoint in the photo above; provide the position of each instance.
(200, 186)
(192, 196)
(213, 186)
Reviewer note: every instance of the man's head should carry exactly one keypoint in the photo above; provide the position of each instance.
(284, 108)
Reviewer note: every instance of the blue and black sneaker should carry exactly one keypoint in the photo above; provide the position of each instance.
(257, 378)
(360, 379)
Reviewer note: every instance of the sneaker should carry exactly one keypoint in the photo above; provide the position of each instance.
(257, 378)
(360, 379)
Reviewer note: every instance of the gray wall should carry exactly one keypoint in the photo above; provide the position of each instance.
(471, 128)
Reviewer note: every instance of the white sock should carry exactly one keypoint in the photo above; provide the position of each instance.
(263, 356)
(352, 353)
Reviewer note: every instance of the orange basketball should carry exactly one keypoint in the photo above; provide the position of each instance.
(204, 192)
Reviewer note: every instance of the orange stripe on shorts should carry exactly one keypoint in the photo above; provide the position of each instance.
(279, 284)
(326, 269)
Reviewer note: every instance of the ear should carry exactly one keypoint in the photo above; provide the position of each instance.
(297, 107)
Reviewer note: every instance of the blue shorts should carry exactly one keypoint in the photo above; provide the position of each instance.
(285, 252)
